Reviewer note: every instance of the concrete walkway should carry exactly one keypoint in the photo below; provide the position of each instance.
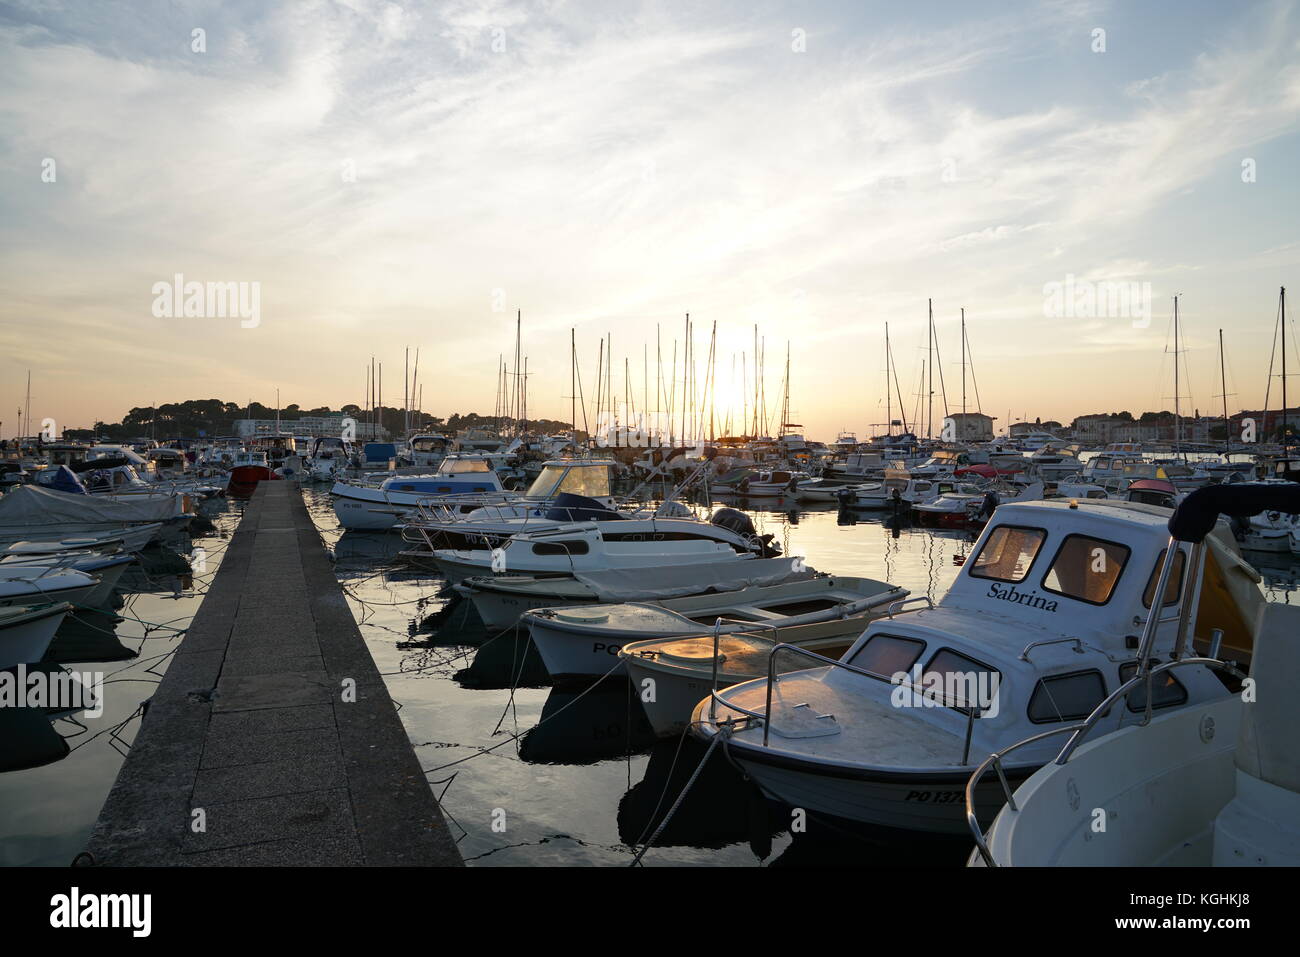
(251, 752)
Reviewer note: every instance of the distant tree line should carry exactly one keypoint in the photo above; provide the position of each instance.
(211, 417)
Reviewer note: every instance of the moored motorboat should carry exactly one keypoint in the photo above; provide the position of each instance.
(1215, 784)
(584, 642)
(464, 478)
(501, 599)
(1033, 633)
(607, 540)
(30, 513)
(30, 585)
(248, 469)
(27, 630)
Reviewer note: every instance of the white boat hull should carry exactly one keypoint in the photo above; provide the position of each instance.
(567, 655)
(25, 638)
(890, 801)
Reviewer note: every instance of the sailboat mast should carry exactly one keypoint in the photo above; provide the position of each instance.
(1286, 432)
(929, 387)
(1178, 421)
(1223, 384)
(963, 366)
(889, 408)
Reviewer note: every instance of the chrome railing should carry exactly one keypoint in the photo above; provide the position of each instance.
(1079, 732)
(971, 712)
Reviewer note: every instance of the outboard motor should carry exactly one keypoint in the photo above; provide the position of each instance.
(990, 504)
(738, 522)
(846, 496)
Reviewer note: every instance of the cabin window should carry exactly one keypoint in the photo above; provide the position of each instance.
(560, 548)
(1166, 691)
(1067, 697)
(1086, 569)
(1008, 553)
(887, 655)
(965, 682)
(1175, 586)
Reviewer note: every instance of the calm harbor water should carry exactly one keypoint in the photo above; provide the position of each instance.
(47, 812)
(580, 789)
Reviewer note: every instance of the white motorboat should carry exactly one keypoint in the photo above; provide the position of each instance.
(29, 513)
(1109, 465)
(1052, 463)
(899, 486)
(120, 481)
(26, 632)
(107, 568)
(962, 503)
(467, 522)
(1216, 783)
(428, 449)
(329, 460)
(584, 641)
(382, 507)
(501, 599)
(1270, 531)
(820, 490)
(858, 467)
(1034, 632)
(31, 585)
(765, 483)
(611, 540)
(673, 673)
(129, 539)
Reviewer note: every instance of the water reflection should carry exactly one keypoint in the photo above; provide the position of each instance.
(59, 763)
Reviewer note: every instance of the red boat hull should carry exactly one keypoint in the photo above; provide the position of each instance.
(244, 479)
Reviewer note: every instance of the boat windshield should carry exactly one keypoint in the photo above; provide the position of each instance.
(428, 443)
(461, 466)
(590, 480)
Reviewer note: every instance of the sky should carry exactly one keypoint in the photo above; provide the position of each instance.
(386, 175)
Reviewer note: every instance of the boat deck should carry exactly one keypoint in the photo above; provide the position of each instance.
(250, 752)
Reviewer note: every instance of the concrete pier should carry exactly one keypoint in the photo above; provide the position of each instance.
(272, 739)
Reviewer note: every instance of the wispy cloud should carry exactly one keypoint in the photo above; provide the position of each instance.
(382, 169)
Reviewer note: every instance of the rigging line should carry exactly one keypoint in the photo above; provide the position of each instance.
(514, 737)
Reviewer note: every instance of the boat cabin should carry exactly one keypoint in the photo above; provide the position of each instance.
(457, 475)
(586, 477)
(1048, 610)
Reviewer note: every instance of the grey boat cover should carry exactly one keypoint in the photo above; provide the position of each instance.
(31, 506)
(675, 581)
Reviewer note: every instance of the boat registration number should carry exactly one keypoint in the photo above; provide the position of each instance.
(935, 797)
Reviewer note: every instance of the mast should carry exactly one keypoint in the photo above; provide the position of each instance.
(963, 366)
(1286, 432)
(1178, 421)
(889, 408)
(929, 388)
(1223, 384)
